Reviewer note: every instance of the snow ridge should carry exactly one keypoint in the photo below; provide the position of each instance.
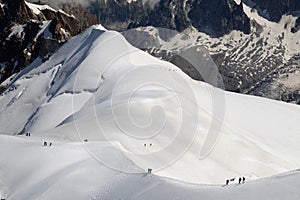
(136, 112)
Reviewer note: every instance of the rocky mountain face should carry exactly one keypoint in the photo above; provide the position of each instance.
(274, 9)
(253, 54)
(249, 63)
(30, 31)
(282, 84)
(218, 17)
(255, 48)
(215, 17)
(262, 62)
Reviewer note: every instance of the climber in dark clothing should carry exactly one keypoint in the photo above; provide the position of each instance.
(227, 182)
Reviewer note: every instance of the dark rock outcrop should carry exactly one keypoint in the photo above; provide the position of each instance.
(218, 17)
(22, 39)
(296, 28)
(282, 83)
(215, 17)
(274, 9)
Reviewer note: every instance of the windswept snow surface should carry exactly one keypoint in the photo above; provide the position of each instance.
(66, 171)
(138, 112)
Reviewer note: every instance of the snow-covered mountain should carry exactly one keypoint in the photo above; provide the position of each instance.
(264, 62)
(112, 111)
(31, 30)
(247, 64)
(254, 43)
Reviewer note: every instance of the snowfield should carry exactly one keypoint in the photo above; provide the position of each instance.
(67, 171)
(136, 112)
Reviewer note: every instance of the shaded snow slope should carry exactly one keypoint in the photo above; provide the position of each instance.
(136, 112)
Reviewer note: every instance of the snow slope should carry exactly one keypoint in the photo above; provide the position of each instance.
(137, 112)
(66, 171)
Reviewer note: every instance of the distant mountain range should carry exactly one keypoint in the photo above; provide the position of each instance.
(215, 17)
(255, 43)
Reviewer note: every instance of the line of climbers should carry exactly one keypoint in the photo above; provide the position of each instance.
(46, 144)
(241, 180)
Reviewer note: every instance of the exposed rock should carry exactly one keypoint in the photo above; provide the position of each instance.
(274, 9)
(282, 83)
(296, 28)
(218, 17)
(22, 39)
(215, 17)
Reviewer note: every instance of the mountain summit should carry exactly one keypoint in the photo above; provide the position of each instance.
(98, 87)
